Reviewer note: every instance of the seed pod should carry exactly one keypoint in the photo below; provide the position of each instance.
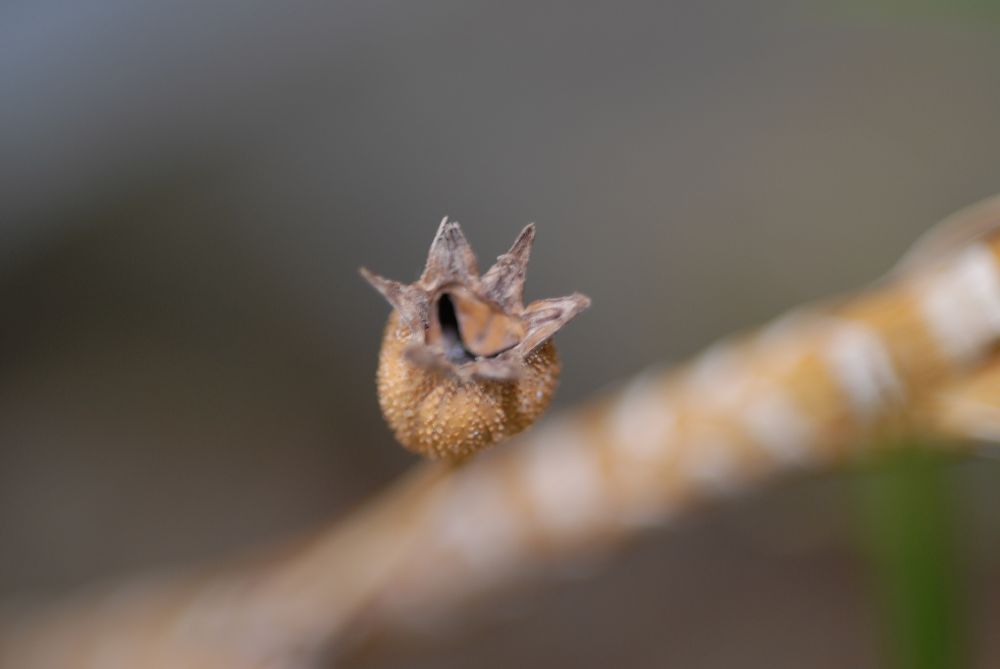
(464, 364)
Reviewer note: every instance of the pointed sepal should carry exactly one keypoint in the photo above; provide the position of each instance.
(543, 318)
(450, 259)
(504, 282)
(410, 301)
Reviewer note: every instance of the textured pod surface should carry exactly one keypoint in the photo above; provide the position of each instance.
(464, 363)
(443, 415)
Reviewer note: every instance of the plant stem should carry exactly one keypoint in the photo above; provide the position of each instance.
(909, 536)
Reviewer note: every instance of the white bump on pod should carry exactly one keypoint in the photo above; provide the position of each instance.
(773, 421)
(642, 427)
(961, 305)
(723, 379)
(472, 537)
(860, 363)
(710, 459)
(563, 479)
(479, 521)
(642, 421)
(719, 375)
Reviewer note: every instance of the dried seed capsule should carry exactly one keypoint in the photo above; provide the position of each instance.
(464, 364)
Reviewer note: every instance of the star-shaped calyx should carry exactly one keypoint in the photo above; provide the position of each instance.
(458, 322)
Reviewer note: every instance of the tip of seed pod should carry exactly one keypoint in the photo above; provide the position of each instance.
(522, 245)
(583, 302)
(379, 283)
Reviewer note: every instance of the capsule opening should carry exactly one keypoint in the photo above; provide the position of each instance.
(466, 328)
(451, 333)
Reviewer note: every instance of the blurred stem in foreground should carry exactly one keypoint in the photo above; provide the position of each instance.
(907, 514)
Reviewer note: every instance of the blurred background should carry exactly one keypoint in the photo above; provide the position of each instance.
(187, 352)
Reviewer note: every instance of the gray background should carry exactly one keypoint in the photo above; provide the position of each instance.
(187, 352)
